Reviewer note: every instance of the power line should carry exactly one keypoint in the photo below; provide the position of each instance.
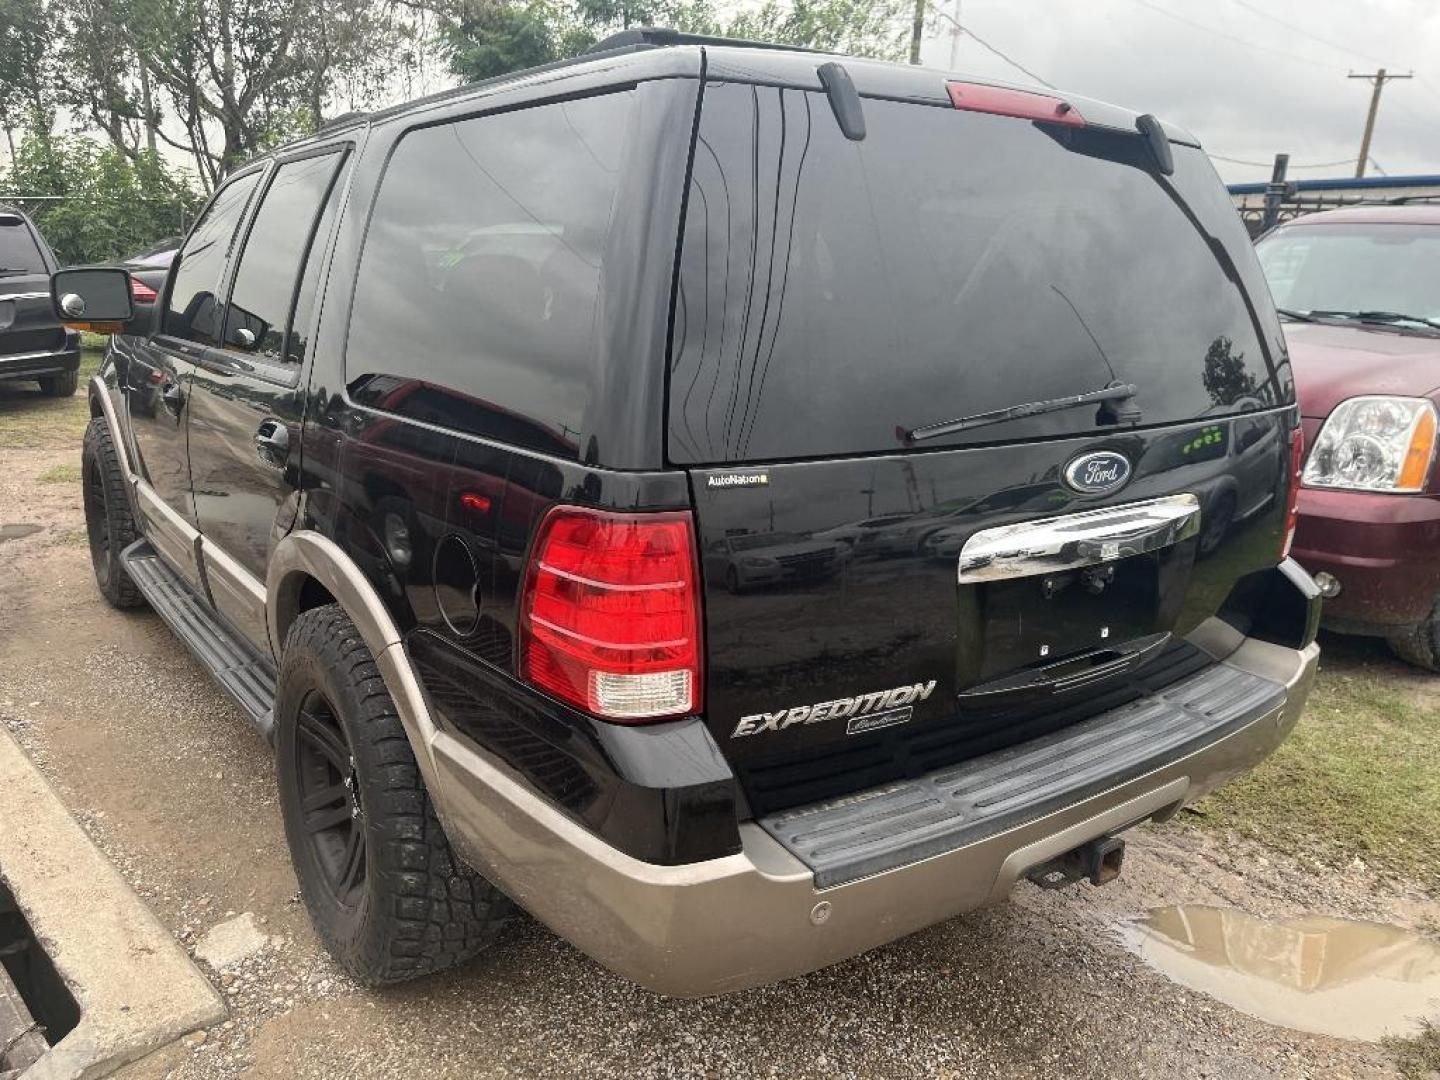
(1232, 38)
(1267, 164)
(1429, 87)
(986, 45)
(1305, 33)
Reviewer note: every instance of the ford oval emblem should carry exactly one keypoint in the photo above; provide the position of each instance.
(1097, 472)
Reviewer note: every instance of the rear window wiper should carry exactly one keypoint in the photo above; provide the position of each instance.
(1114, 392)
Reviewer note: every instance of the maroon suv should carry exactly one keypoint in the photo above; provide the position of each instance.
(1360, 291)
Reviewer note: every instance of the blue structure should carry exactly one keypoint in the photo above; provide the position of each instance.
(1379, 186)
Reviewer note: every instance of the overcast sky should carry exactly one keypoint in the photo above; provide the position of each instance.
(1250, 78)
(1230, 72)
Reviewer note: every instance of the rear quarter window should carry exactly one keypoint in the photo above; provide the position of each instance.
(834, 294)
(477, 293)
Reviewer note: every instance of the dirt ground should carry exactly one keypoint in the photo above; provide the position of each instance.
(179, 792)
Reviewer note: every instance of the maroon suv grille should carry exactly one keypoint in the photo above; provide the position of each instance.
(50, 339)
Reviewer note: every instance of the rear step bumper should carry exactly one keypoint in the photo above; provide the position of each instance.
(866, 833)
(763, 915)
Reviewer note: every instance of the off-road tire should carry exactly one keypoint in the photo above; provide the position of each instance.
(63, 385)
(109, 522)
(418, 908)
(1421, 644)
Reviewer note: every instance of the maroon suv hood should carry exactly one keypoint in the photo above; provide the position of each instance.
(1333, 363)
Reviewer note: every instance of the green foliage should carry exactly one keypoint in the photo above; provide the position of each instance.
(24, 49)
(857, 27)
(487, 38)
(1355, 779)
(111, 205)
(1418, 1057)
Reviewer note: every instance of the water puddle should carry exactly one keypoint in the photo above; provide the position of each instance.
(1350, 980)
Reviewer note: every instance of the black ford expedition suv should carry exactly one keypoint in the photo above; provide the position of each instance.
(452, 422)
(33, 343)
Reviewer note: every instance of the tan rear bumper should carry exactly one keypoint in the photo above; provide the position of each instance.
(756, 917)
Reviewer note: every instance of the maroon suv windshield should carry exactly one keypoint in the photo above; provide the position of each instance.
(1355, 267)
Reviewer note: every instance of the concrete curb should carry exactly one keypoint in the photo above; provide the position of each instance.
(136, 987)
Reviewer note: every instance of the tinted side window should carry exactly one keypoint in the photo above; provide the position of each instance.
(298, 342)
(482, 270)
(193, 309)
(265, 280)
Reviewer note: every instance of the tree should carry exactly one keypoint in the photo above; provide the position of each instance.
(1226, 377)
(217, 79)
(105, 82)
(858, 27)
(103, 204)
(26, 94)
(485, 38)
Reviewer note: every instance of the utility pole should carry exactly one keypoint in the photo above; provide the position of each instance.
(955, 37)
(1378, 79)
(1276, 192)
(916, 30)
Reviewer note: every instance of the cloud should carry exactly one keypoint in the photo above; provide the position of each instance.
(1230, 72)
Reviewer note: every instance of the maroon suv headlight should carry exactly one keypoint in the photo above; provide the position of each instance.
(1374, 444)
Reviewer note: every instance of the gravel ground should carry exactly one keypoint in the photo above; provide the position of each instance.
(179, 792)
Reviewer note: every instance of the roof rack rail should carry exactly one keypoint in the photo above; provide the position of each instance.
(345, 119)
(654, 37)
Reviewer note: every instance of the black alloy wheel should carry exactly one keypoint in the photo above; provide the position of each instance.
(333, 815)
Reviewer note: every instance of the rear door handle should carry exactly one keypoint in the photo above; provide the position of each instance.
(272, 443)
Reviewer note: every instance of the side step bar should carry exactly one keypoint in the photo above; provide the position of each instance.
(248, 679)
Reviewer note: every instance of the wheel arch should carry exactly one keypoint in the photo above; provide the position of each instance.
(308, 569)
(102, 405)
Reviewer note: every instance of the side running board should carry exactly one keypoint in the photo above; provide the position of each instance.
(247, 678)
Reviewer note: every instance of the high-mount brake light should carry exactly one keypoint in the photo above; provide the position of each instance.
(1002, 101)
(610, 613)
(1292, 503)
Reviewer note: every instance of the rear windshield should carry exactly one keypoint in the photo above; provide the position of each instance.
(1355, 267)
(836, 294)
(18, 251)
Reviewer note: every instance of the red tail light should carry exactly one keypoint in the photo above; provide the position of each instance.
(1292, 504)
(1001, 101)
(142, 293)
(610, 613)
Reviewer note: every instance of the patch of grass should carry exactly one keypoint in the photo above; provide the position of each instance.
(93, 341)
(72, 538)
(67, 473)
(1356, 778)
(28, 419)
(1418, 1057)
